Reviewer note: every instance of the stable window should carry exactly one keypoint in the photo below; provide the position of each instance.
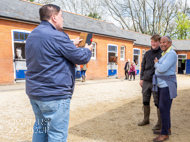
(112, 48)
(20, 36)
(122, 56)
(93, 50)
(182, 56)
(136, 51)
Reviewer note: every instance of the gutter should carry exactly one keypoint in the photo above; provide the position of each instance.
(19, 20)
(141, 45)
(181, 50)
(71, 29)
(77, 30)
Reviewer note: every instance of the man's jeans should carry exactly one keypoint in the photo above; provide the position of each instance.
(52, 120)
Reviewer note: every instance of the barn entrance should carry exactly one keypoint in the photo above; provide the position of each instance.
(136, 59)
(182, 63)
(19, 59)
(112, 61)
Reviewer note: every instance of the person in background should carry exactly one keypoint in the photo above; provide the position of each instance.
(50, 78)
(126, 68)
(83, 67)
(147, 72)
(132, 71)
(165, 83)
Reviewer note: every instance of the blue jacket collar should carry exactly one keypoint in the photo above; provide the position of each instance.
(47, 23)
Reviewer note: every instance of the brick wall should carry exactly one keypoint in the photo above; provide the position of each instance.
(6, 53)
(97, 67)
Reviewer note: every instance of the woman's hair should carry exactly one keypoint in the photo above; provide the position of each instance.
(47, 11)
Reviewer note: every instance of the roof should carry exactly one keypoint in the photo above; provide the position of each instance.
(141, 39)
(181, 45)
(29, 12)
(19, 10)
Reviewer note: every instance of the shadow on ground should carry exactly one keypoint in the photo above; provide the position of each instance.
(120, 124)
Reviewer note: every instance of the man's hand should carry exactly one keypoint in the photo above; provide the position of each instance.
(155, 60)
(141, 83)
(88, 46)
(77, 41)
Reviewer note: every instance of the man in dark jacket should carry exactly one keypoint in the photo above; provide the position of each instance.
(126, 68)
(50, 78)
(147, 72)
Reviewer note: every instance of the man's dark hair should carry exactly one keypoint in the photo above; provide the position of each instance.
(156, 37)
(47, 11)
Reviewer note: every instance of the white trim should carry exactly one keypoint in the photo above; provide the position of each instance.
(94, 58)
(19, 30)
(122, 59)
(19, 41)
(13, 53)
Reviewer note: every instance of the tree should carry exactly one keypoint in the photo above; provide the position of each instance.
(183, 26)
(188, 11)
(145, 16)
(83, 7)
(94, 15)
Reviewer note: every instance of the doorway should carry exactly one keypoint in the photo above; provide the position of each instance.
(182, 63)
(136, 59)
(112, 61)
(19, 59)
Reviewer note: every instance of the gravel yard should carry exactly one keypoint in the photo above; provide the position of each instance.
(101, 111)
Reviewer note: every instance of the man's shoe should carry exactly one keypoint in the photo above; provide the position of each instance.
(161, 138)
(159, 132)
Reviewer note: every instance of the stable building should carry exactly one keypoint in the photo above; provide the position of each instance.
(18, 18)
(182, 48)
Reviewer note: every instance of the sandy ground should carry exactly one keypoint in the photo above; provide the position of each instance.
(101, 111)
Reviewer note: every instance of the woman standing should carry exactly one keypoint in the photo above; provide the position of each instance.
(132, 71)
(165, 78)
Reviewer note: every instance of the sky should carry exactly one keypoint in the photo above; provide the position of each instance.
(111, 20)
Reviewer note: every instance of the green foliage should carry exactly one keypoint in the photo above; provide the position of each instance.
(183, 26)
(94, 15)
